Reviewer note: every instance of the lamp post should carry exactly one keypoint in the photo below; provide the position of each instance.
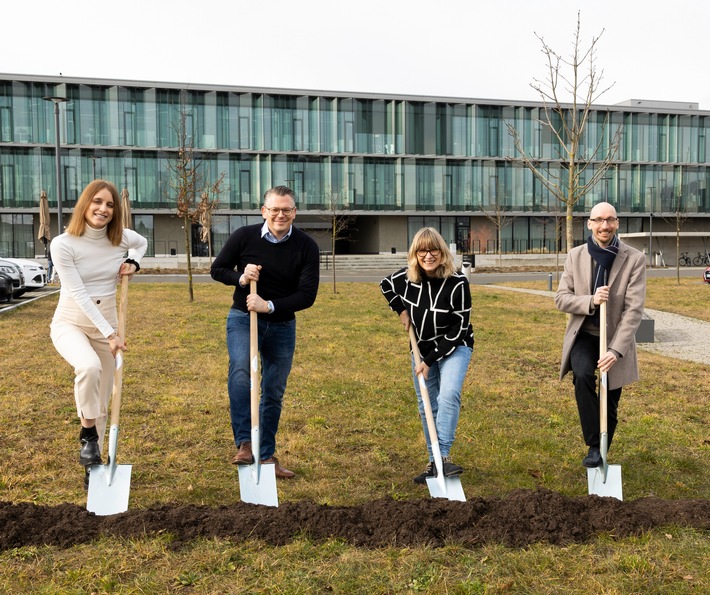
(57, 101)
(650, 236)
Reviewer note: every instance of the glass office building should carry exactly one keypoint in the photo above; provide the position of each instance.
(393, 163)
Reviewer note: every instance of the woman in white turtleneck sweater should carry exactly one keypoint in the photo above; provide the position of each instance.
(89, 259)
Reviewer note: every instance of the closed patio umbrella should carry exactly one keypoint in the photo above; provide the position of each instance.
(126, 209)
(44, 233)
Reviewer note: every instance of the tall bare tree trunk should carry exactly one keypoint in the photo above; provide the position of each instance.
(188, 250)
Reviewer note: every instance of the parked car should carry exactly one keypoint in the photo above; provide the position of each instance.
(34, 273)
(5, 287)
(18, 280)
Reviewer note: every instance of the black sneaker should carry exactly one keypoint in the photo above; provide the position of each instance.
(450, 468)
(430, 471)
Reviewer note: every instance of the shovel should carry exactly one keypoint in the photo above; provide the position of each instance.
(257, 482)
(439, 486)
(110, 484)
(604, 480)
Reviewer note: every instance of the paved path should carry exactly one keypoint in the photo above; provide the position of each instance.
(674, 335)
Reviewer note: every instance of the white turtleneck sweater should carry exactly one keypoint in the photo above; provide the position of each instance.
(88, 267)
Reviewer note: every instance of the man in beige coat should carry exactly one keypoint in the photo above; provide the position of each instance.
(603, 269)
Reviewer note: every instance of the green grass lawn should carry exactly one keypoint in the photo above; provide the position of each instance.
(351, 431)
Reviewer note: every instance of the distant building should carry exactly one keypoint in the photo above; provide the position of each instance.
(394, 162)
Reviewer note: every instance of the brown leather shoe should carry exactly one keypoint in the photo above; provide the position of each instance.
(279, 471)
(244, 455)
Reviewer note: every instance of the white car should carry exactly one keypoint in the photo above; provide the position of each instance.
(34, 273)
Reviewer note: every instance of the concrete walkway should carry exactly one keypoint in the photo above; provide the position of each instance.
(675, 336)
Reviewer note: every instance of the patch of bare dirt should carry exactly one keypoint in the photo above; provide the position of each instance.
(521, 518)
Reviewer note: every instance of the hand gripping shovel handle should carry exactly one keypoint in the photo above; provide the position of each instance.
(254, 379)
(431, 425)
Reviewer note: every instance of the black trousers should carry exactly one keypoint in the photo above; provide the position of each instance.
(583, 359)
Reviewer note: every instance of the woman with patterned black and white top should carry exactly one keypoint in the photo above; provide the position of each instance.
(89, 259)
(436, 299)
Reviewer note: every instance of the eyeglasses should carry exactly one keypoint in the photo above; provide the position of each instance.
(274, 211)
(423, 253)
(608, 220)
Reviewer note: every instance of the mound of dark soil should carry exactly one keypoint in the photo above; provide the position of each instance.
(521, 518)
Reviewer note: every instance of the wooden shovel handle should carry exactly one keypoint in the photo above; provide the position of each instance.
(431, 425)
(604, 376)
(254, 360)
(118, 374)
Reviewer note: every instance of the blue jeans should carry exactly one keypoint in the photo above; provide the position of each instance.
(444, 386)
(277, 342)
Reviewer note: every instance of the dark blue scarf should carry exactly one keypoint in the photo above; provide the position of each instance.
(604, 259)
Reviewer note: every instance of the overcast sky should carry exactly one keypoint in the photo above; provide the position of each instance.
(463, 48)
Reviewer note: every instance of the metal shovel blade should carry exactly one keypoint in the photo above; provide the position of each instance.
(611, 487)
(110, 484)
(257, 484)
(450, 488)
(108, 495)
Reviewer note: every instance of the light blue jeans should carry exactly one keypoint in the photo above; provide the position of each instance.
(277, 342)
(444, 386)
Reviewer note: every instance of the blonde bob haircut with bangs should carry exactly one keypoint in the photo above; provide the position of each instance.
(114, 228)
(427, 238)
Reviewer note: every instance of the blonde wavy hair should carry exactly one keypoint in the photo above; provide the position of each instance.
(427, 238)
(77, 223)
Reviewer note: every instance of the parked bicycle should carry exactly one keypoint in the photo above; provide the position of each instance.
(700, 260)
(684, 260)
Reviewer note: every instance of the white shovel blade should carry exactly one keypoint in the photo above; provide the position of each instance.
(257, 484)
(104, 499)
(451, 488)
(611, 488)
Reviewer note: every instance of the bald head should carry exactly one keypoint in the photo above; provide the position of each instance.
(603, 209)
(603, 223)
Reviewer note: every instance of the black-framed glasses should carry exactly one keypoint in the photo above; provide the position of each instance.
(422, 253)
(608, 220)
(275, 211)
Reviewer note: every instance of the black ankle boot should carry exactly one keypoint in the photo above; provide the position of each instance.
(90, 453)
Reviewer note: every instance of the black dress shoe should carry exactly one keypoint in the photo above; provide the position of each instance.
(593, 458)
(90, 453)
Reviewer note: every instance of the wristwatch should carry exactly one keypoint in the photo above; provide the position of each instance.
(270, 305)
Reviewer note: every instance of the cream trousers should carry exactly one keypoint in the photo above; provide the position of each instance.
(80, 343)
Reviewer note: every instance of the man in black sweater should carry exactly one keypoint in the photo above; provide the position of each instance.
(284, 262)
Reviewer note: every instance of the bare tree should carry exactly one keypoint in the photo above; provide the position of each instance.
(208, 204)
(678, 218)
(500, 219)
(187, 181)
(340, 225)
(577, 76)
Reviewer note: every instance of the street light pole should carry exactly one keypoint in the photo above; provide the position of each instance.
(57, 101)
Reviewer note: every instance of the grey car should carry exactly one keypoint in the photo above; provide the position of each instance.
(18, 280)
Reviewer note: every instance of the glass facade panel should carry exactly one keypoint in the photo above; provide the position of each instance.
(389, 154)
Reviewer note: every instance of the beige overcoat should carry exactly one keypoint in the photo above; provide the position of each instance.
(627, 292)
